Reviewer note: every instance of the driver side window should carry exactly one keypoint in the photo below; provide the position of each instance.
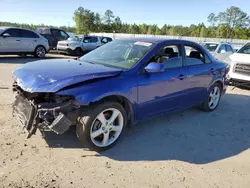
(170, 56)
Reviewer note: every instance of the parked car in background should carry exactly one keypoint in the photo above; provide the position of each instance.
(239, 63)
(80, 44)
(117, 84)
(22, 42)
(218, 49)
(53, 35)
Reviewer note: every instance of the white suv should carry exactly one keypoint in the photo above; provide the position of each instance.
(80, 44)
(239, 63)
(218, 49)
(22, 41)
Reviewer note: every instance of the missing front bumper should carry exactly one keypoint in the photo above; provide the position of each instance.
(46, 116)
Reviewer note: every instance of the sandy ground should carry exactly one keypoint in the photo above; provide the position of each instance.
(185, 149)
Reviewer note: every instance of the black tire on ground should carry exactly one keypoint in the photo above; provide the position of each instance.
(78, 52)
(40, 52)
(85, 123)
(205, 106)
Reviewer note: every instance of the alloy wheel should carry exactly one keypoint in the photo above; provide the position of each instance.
(214, 97)
(107, 127)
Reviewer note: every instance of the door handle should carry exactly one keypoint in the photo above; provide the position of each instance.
(181, 77)
(18, 40)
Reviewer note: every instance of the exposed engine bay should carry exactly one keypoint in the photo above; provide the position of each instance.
(44, 111)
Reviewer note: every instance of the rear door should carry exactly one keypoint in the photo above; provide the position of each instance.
(28, 40)
(12, 42)
(200, 73)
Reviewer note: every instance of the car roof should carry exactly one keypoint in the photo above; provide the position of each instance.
(9, 27)
(216, 43)
(157, 40)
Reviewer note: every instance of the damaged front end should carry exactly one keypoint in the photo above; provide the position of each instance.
(44, 111)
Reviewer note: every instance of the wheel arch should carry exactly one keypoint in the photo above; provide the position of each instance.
(42, 46)
(219, 81)
(124, 101)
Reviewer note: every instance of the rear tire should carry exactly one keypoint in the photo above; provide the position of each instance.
(102, 125)
(40, 52)
(213, 99)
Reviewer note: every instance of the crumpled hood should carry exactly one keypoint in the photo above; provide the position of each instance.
(240, 58)
(53, 75)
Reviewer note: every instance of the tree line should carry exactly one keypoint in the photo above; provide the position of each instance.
(231, 23)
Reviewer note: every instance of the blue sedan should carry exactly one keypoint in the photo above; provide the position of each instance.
(110, 88)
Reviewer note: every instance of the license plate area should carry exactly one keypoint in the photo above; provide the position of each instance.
(23, 111)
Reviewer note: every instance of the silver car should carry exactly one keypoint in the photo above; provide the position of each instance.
(22, 42)
(80, 44)
(219, 50)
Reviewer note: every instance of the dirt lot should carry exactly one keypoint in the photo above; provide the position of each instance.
(186, 149)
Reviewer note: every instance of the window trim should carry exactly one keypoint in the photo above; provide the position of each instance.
(219, 50)
(179, 45)
(193, 46)
(21, 30)
(6, 31)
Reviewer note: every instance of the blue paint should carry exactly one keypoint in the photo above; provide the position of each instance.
(150, 93)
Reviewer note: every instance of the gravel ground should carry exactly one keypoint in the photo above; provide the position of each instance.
(185, 149)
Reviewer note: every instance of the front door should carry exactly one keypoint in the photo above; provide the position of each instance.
(11, 42)
(163, 91)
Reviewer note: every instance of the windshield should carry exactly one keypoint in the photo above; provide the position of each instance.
(119, 53)
(75, 38)
(245, 49)
(210, 46)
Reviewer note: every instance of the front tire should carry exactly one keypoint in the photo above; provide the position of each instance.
(78, 52)
(213, 99)
(40, 52)
(103, 126)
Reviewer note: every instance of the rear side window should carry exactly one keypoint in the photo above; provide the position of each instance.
(229, 48)
(44, 31)
(28, 34)
(222, 48)
(106, 40)
(13, 32)
(90, 39)
(194, 56)
(93, 39)
(63, 34)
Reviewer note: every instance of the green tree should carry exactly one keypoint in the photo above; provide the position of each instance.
(108, 17)
(164, 29)
(117, 25)
(212, 19)
(84, 20)
(203, 32)
(233, 17)
(158, 31)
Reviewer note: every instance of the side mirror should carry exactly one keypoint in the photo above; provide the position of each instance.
(6, 35)
(154, 67)
(223, 51)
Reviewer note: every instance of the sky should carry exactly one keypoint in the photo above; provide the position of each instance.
(173, 12)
